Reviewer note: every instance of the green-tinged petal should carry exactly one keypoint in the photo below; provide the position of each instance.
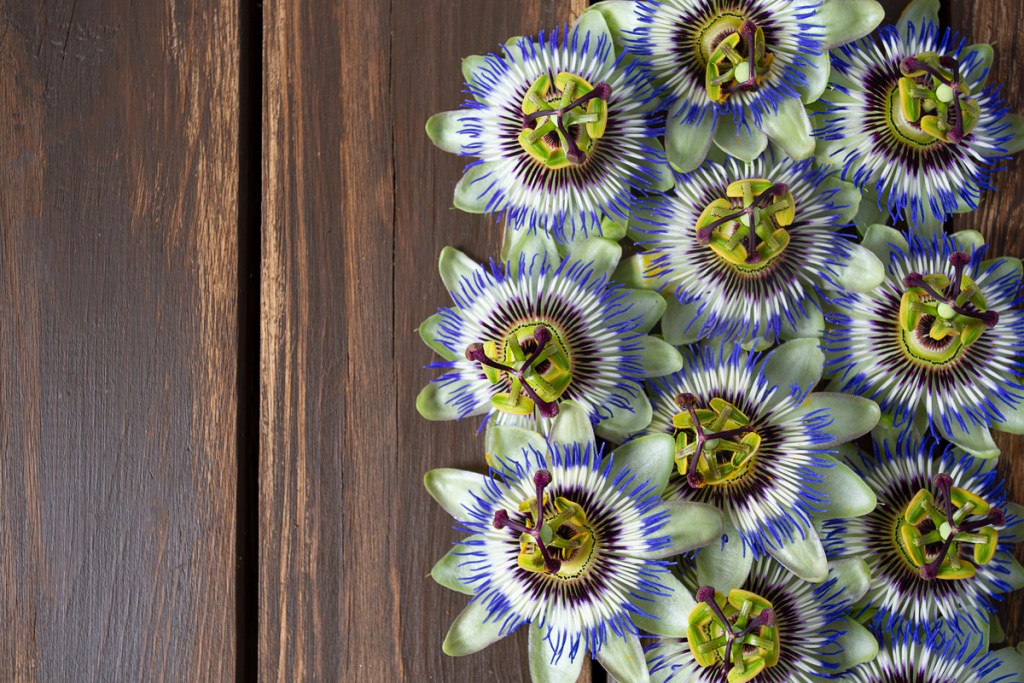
(917, 13)
(796, 363)
(968, 240)
(1015, 575)
(1011, 664)
(1013, 420)
(613, 229)
(861, 272)
(690, 526)
(724, 566)
(687, 144)
(511, 443)
(1014, 534)
(647, 307)
(532, 248)
(472, 66)
(651, 458)
(790, 128)
(996, 634)
(453, 266)
(475, 188)
(977, 76)
(593, 23)
(1015, 143)
(428, 333)
(853, 578)
(471, 632)
(445, 130)
(661, 178)
(813, 325)
(681, 323)
(658, 358)
(633, 272)
(805, 557)
(869, 212)
(451, 568)
(852, 416)
(816, 74)
(857, 646)
(623, 658)
(619, 16)
(626, 422)
(848, 20)
(928, 225)
(976, 440)
(454, 489)
(1003, 267)
(603, 254)
(848, 495)
(744, 144)
(542, 670)
(883, 241)
(670, 614)
(847, 199)
(436, 402)
(571, 425)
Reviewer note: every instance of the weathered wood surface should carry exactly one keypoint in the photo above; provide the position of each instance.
(118, 220)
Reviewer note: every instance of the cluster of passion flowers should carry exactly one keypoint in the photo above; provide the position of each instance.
(736, 426)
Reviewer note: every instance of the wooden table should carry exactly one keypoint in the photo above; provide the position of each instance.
(219, 226)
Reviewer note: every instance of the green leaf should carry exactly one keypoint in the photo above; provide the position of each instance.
(790, 128)
(861, 272)
(435, 402)
(690, 526)
(603, 254)
(571, 425)
(651, 458)
(816, 73)
(619, 16)
(454, 489)
(504, 442)
(848, 495)
(444, 130)
(454, 266)
(670, 614)
(745, 145)
(471, 631)
(626, 422)
(624, 659)
(724, 566)
(917, 13)
(883, 241)
(687, 144)
(798, 362)
(805, 557)
(475, 188)
(451, 568)
(848, 20)
(658, 358)
(852, 416)
(542, 670)
(428, 330)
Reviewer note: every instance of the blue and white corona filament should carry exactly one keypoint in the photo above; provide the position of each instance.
(909, 118)
(941, 339)
(904, 658)
(562, 133)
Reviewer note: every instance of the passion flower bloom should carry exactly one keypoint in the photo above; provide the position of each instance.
(749, 249)
(752, 441)
(571, 544)
(904, 658)
(738, 73)
(527, 335)
(766, 626)
(562, 132)
(939, 543)
(910, 119)
(940, 340)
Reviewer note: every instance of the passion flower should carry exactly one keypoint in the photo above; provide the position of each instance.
(938, 660)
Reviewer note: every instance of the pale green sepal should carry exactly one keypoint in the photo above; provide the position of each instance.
(632, 272)
(848, 20)
(687, 144)
(593, 23)
(846, 200)
(857, 646)
(623, 658)
(474, 190)
(504, 442)
(624, 423)
(744, 144)
(1011, 664)
(690, 526)
(471, 631)
(647, 307)
(618, 15)
(883, 241)
(602, 254)
(454, 489)
(650, 458)
(451, 568)
(571, 425)
(853, 578)
(968, 240)
(543, 670)
(869, 212)
(979, 74)
(811, 326)
(916, 13)
(658, 358)
(927, 226)
(805, 556)
(681, 323)
(996, 634)
(852, 416)
(435, 402)
(976, 440)
(444, 130)
(1013, 419)
(470, 66)
(1015, 143)
(1015, 575)
(454, 266)
(535, 248)
(797, 363)
(428, 333)
(816, 74)
(861, 272)
(1004, 266)
(661, 178)
(613, 229)
(790, 128)
(513, 48)
(1014, 534)
(724, 566)
(848, 495)
(670, 614)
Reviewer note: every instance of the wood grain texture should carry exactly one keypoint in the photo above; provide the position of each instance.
(355, 208)
(118, 177)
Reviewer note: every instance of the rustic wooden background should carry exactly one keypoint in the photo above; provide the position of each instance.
(219, 225)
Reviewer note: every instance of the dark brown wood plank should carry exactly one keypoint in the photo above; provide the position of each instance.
(998, 22)
(356, 214)
(118, 219)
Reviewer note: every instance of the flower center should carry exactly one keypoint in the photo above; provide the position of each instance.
(933, 101)
(747, 227)
(733, 50)
(940, 316)
(931, 532)
(555, 538)
(560, 125)
(738, 630)
(532, 362)
(714, 445)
